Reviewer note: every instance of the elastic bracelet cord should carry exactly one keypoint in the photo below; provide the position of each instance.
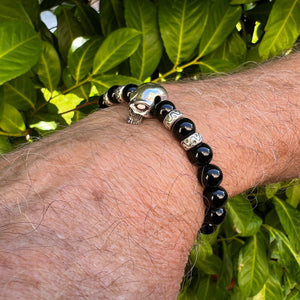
(151, 100)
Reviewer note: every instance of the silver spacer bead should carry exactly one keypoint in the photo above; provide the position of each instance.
(191, 141)
(172, 117)
(106, 100)
(118, 93)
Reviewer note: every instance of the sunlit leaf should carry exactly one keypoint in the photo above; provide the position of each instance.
(253, 265)
(20, 93)
(65, 103)
(111, 15)
(48, 68)
(181, 24)
(80, 59)
(118, 46)
(11, 120)
(68, 28)
(222, 19)
(13, 10)
(142, 16)
(290, 220)
(20, 51)
(282, 29)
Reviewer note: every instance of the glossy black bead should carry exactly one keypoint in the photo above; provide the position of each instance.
(215, 197)
(200, 155)
(111, 94)
(128, 89)
(210, 176)
(183, 128)
(100, 102)
(162, 109)
(215, 216)
(207, 228)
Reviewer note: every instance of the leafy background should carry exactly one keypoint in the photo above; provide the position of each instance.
(51, 77)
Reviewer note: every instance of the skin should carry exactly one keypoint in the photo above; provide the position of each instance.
(108, 210)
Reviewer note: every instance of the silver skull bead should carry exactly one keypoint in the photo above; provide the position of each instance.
(143, 100)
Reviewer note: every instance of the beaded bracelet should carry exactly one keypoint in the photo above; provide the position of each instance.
(151, 100)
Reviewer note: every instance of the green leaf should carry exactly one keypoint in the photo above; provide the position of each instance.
(111, 15)
(226, 272)
(253, 265)
(206, 288)
(210, 265)
(290, 220)
(80, 59)
(222, 20)
(20, 93)
(235, 2)
(209, 66)
(48, 68)
(11, 120)
(5, 145)
(118, 46)
(233, 50)
(104, 82)
(241, 216)
(282, 29)
(68, 28)
(142, 16)
(88, 18)
(288, 257)
(13, 11)
(32, 8)
(272, 189)
(293, 192)
(181, 23)
(20, 51)
(293, 295)
(271, 290)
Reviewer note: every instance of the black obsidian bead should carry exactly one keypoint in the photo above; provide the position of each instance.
(200, 155)
(100, 102)
(128, 89)
(210, 175)
(215, 197)
(183, 128)
(111, 94)
(207, 228)
(215, 216)
(162, 109)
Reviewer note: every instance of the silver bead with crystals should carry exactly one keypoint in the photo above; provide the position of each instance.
(143, 100)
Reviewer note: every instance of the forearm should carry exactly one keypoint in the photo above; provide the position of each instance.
(105, 208)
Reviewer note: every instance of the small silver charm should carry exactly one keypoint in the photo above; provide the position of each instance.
(191, 141)
(172, 117)
(143, 100)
